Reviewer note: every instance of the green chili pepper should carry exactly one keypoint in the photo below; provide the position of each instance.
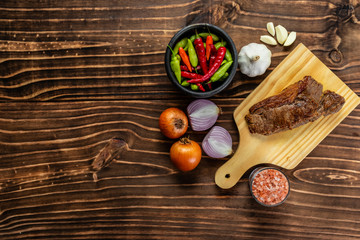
(186, 47)
(220, 44)
(205, 34)
(192, 54)
(182, 43)
(224, 76)
(228, 56)
(185, 83)
(220, 72)
(175, 65)
(194, 87)
(192, 38)
(223, 62)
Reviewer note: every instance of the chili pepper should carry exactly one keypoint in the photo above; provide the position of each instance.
(220, 44)
(185, 84)
(212, 55)
(212, 59)
(200, 50)
(219, 58)
(205, 35)
(194, 87)
(200, 86)
(175, 65)
(227, 54)
(182, 43)
(185, 58)
(211, 62)
(209, 41)
(190, 75)
(185, 68)
(192, 54)
(221, 71)
(223, 76)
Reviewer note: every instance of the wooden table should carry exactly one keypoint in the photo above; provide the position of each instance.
(76, 74)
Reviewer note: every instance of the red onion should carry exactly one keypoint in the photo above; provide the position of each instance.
(217, 143)
(202, 114)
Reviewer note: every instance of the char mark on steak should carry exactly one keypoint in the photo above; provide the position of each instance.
(296, 105)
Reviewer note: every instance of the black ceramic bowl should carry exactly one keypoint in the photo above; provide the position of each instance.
(188, 31)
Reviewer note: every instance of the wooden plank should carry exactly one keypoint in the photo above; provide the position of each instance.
(47, 188)
(83, 72)
(105, 50)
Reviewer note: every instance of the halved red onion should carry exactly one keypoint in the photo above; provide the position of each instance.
(202, 114)
(217, 143)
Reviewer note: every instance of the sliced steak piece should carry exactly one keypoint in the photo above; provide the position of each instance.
(298, 104)
(331, 103)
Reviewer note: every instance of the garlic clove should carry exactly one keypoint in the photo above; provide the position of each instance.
(270, 28)
(268, 40)
(281, 34)
(290, 39)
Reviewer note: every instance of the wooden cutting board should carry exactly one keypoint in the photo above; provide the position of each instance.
(285, 149)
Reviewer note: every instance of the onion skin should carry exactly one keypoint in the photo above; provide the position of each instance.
(173, 123)
(185, 154)
(217, 143)
(202, 114)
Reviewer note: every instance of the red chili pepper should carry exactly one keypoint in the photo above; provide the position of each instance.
(212, 55)
(209, 41)
(185, 68)
(218, 60)
(200, 50)
(185, 58)
(200, 87)
(190, 75)
(211, 62)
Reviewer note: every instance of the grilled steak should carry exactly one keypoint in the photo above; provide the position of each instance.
(298, 104)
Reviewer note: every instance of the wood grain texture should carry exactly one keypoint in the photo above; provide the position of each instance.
(76, 74)
(80, 50)
(47, 189)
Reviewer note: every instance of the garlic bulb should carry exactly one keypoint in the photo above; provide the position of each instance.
(254, 59)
